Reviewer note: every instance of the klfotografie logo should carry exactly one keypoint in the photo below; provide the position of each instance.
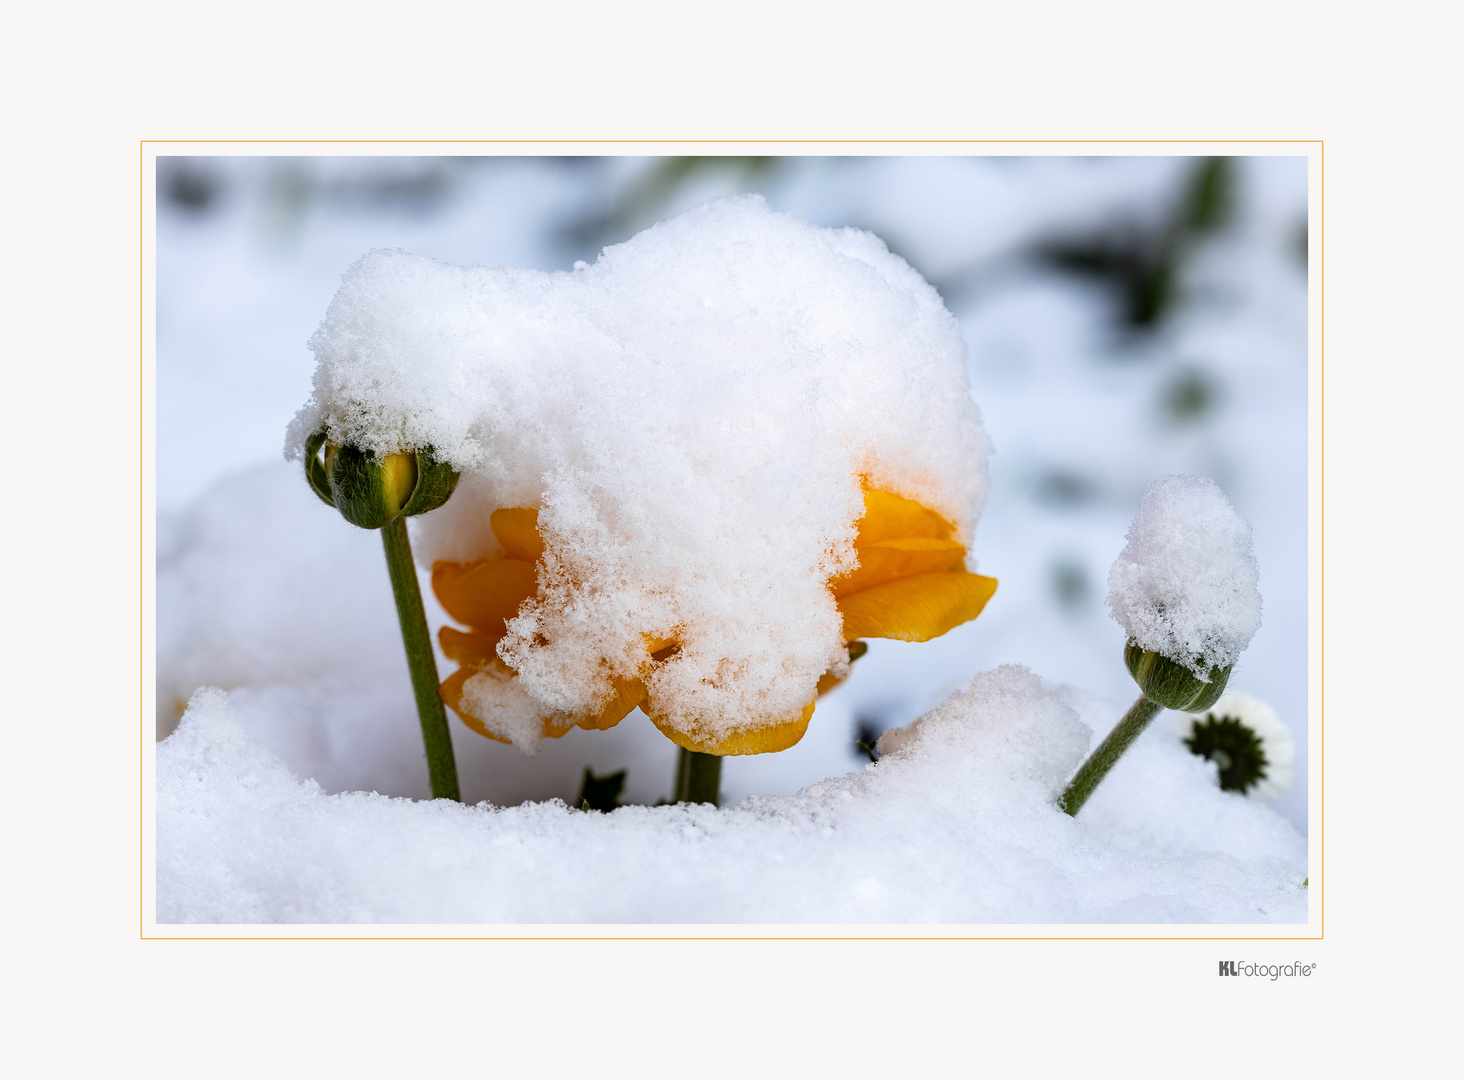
(1266, 971)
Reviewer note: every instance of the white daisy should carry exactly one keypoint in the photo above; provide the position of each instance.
(1247, 740)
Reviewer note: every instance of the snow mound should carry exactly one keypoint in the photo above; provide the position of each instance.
(692, 415)
(1186, 585)
(957, 825)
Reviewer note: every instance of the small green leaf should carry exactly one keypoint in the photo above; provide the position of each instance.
(601, 792)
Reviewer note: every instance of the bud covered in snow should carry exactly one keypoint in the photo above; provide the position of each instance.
(1185, 589)
(370, 490)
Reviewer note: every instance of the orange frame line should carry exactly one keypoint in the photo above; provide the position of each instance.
(1321, 498)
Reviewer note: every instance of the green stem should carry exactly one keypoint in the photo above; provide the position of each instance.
(698, 777)
(440, 763)
(1106, 756)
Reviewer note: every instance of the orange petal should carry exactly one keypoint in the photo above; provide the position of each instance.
(888, 516)
(486, 594)
(916, 608)
(887, 560)
(445, 575)
(451, 692)
(517, 529)
(471, 650)
(765, 739)
(628, 694)
(827, 681)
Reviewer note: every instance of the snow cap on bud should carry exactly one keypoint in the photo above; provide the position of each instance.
(1186, 590)
(370, 490)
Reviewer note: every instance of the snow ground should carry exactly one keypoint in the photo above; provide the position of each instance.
(957, 826)
(264, 592)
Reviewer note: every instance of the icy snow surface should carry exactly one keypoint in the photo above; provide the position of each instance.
(956, 825)
(1186, 584)
(692, 414)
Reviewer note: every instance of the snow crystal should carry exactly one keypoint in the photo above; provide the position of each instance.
(957, 825)
(692, 416)
(1186, 583)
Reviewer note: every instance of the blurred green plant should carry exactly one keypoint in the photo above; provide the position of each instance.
(648, 197)
(1070, 583)
(1190, 396)
(1139, 264)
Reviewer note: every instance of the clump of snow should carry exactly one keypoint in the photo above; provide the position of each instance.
(1006, 721)
(1186, 583)
(692, 415)
(957, 825)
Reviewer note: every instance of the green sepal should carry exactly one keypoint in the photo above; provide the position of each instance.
(370, 490)
(435, 483)
(1171, 684)
(315, 474)
(366, 493)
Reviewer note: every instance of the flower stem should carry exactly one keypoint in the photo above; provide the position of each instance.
(1106, 756)
(698, 777)
(441, 766)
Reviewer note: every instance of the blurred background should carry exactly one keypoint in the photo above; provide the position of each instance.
(1124, 317)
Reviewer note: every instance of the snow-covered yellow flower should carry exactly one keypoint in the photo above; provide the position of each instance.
(910, 584)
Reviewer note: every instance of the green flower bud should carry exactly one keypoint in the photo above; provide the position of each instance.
(370, 491)
(1171, 684)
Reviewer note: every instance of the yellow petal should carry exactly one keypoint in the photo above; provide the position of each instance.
(628, 694)
(451, 692)
(827, 681)
(517, 529)
(887, 560)
(486, 593)
(888, 516)
(471, 650)
(916, 608)
(765, 739)
(446, 574)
